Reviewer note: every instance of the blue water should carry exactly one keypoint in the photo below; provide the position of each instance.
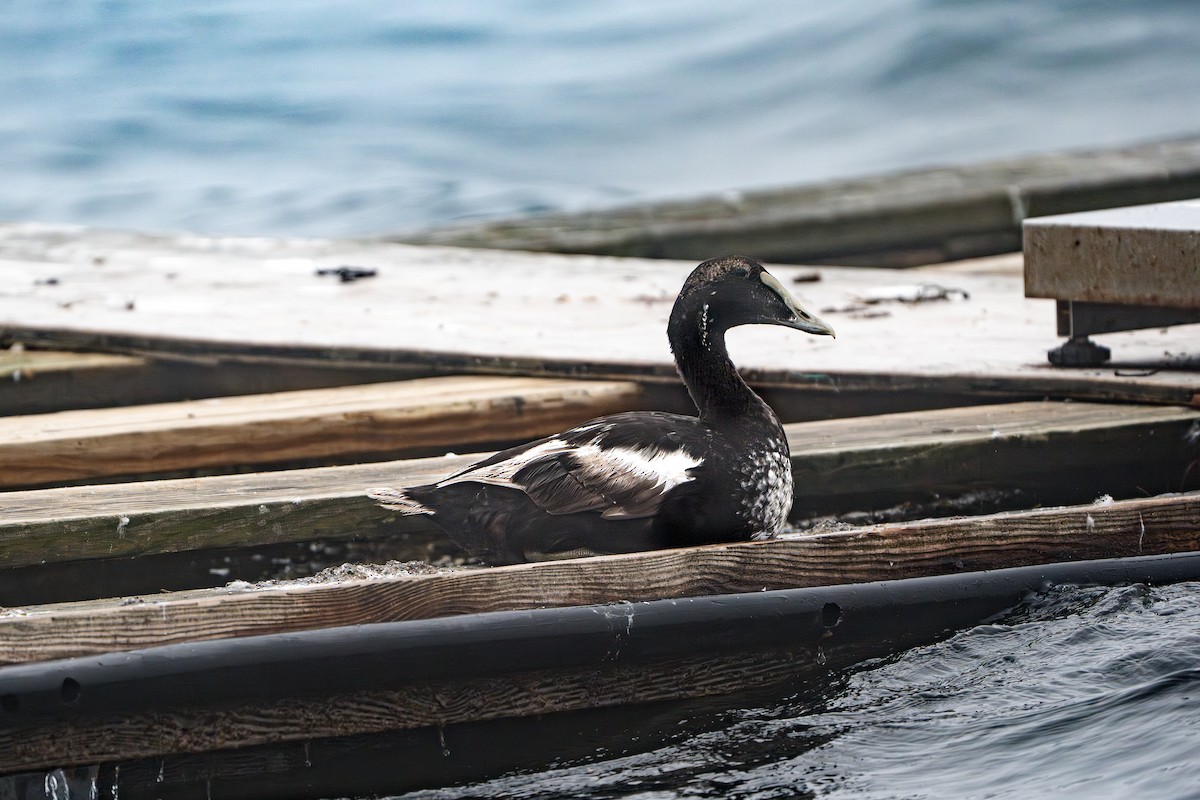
(1080, 693)
(322, 118)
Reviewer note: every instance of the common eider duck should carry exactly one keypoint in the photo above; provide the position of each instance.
(646, 479)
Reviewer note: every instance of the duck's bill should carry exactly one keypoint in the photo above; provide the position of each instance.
(801, 319)
(811, 324)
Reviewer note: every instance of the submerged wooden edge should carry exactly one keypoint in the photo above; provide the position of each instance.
(414, 706)
(1118, 529)
(944, 451)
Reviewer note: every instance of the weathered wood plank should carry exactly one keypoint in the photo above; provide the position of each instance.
(356, 421)
(1019, 446)
(456, 310)
(147, 517)
(836, 463)
(916, 217)
(882, 552)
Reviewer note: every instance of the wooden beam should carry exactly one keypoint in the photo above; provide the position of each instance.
(838, 464)
(1083, 449)
(345, 422)
(873, 553)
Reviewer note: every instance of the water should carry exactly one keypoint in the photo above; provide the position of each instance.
(324, 118)
(1081, 692)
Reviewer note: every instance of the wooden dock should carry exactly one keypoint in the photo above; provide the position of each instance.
(943, 470)
(452, 311)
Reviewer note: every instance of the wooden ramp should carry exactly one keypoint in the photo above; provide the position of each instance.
(503, 312)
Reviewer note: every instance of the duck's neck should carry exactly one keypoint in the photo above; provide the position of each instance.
(721, 395)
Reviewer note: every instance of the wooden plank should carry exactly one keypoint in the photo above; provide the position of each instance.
(1141, 255)
(835, 462)
(148, 517)
(518, 313)
(872, 553)
(915, 217)
(345, 422)
(1080, 449)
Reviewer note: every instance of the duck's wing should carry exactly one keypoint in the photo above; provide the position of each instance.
(621, 466)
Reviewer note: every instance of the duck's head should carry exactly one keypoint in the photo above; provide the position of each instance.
(736, 290)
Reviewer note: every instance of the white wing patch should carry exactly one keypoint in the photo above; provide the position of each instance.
(622, 482)
(665, 468)
(639, 478)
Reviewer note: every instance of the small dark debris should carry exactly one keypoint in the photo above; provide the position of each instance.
(811, 276)
(347, 274)
(916, 293)
(50, 281)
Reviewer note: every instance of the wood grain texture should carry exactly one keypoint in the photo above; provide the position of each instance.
(417, 705)
(882, 552)
(1015, 446)
(1019, 444)
(507, 312)
(355, 421)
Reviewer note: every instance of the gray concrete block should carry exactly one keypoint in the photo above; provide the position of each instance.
(1140, 255)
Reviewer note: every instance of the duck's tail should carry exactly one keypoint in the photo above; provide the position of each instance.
(398, 500)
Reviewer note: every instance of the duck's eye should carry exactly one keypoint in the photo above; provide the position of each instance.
(741, 272)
